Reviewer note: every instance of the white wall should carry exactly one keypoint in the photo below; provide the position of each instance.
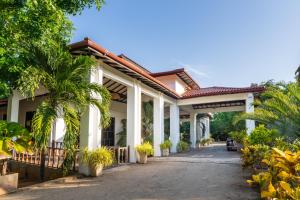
(174, 82)
(27, 105)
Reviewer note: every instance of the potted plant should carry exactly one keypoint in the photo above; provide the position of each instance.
(13, 137)
(204, 142)
(97, 159)
(165, 147)
(144, 150)
(182, 146)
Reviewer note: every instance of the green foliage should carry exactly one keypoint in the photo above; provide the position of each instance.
(167, 128)
(278, 109)
(262, 135)
(167, 144)
(30, 22)
(207, 141)
(70, 93)
(14, 137)
(281, 179)
(238, 136)
(122, 134)
(145, 148)
(100, 156)
(33, 22)
(185, 132)
(252, 155)
(222, 124)
(182, 146)
(284, 144)
(147, 122)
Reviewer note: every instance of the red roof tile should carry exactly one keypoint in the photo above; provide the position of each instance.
(89, 43)
(211, 91)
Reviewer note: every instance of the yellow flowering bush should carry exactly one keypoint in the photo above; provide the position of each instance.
(282, 179)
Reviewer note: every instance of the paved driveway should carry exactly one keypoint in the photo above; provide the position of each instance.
(208, 174)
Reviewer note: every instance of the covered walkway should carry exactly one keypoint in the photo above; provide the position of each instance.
(209, 174)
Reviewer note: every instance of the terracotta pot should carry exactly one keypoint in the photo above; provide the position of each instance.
(165, 152)
(96, 171)
(142, 158)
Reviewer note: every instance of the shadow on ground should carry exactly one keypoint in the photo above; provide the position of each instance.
(208, 174)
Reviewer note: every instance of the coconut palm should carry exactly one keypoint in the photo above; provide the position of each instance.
(65, 77)
(279, 109)
(13, 137)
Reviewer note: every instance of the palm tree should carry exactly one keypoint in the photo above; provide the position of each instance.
(278, 109)
(69, 93)
(13, 137)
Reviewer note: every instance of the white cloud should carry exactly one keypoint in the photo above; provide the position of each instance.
(194, 70)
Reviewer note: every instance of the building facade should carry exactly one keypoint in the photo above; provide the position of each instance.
(176, 97)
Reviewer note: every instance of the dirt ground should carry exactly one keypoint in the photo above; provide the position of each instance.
(211, 173)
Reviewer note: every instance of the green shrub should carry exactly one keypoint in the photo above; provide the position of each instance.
(207, 141)
(253, 155)
(238, 136)
(210, 140)
(145, 148)
(281, 179)
(167, 144)
(262, 135)
(284, 144)
(99, 156)
(182, 146)
(203, 142)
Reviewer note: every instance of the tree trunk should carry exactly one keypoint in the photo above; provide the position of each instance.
(42, 166)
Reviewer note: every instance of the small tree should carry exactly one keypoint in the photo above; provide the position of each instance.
(69, 92)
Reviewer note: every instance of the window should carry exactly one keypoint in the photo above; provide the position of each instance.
(108, 134)
(28, 120)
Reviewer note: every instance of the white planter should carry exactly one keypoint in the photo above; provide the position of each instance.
(142, 158)
(165, 152)
(96, 171)
(8, 183)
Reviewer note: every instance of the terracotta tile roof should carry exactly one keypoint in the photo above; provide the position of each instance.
(132, 61)
(87, 43)
(135, 70)
(211, 91)
(182, 74)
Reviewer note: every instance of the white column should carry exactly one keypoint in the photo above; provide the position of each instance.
(174, 126)
(250, 124)
(158, 123)
(198, 130)
(13, 106)
(208, 127)
(134, 121)
(58, 128)
(90, 127)
(193, 126)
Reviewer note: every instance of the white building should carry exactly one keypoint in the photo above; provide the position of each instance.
(175, 95)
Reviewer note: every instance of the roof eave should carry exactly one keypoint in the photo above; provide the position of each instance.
(87, 43)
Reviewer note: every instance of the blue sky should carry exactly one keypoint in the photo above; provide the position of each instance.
(220, 42)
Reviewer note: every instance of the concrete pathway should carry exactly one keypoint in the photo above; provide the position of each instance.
(211, 173)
